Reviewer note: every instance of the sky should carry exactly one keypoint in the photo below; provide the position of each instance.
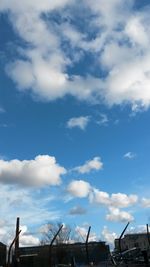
(74, 117)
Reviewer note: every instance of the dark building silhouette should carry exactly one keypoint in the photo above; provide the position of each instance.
(3, 250)
(63, 254)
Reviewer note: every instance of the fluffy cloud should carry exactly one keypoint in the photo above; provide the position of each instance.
(77, 210)
(117, 200)
(121, 46)
(129, 155)
(100, 197)
(117, 215)
(43, 67)
(122, 200)
(79, 188)
(41, 171)
(80, 122)
(108, 236)
(94, 164)
(136, 31)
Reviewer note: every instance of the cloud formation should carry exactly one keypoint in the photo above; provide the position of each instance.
(94, 164)
(120, 42)
(41, 171)
(117, 200)
(114, 202)
(79, 188)
(99, 197)
(79, 122)
(122, 200)
(116, 215)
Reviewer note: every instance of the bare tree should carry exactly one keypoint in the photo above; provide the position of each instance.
(50, 229)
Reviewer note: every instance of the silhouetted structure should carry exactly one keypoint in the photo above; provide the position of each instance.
(136, 240)
(2, 254)
(64, 254)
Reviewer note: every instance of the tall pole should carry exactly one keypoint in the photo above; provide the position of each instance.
(50, 246)
(10, 248)
(86, 245)
(148, 234)
(120, 250)
(17, 240)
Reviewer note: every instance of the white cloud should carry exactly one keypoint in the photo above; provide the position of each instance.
(94, 164)
(117, 200)
(99, 197)
(117, 215)
(77, 210)
(145, 202)
(41, 171)
(122, 200)
(79, 122)
(121, 46)
(43, 68)
(129, 155)
(126, 55)
(108, 236)
(79, 188)
(136, 31)
(47, 76)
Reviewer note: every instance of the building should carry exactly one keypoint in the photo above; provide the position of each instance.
(3, 251)
(129, 241)
(63, 254)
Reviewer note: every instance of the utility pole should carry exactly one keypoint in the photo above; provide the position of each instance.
(10, 248)
(86, 245)
(50, 246)
(17, 239)
(120, 250)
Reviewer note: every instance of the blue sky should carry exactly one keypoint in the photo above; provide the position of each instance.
(74, 116)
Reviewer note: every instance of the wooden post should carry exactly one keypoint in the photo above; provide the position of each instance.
(120, 250)
(86, 245)
(17, 240)
(11, 245)
(50, 246)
